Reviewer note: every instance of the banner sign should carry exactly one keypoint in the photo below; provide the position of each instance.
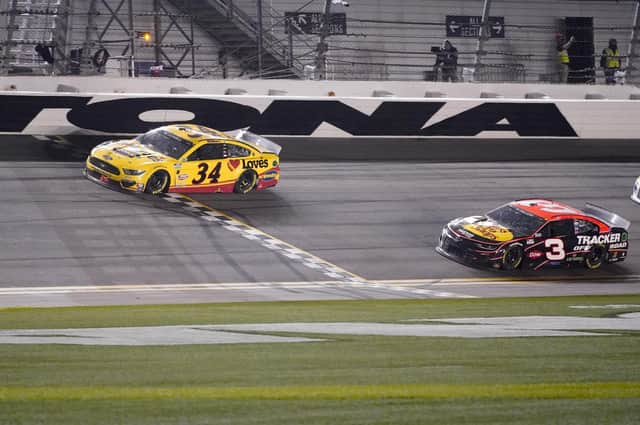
(311, 23)
(469, 26)
(45, 114)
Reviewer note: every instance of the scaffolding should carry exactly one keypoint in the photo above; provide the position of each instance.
(86, 37)
(32, 26)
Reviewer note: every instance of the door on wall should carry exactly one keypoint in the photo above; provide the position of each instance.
(581, 60)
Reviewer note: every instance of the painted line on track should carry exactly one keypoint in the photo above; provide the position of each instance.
(412, 285)
(292, 253)
(517, 280)
(183, 287)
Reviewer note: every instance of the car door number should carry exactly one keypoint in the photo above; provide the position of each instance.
(213, 176)
(556, 252)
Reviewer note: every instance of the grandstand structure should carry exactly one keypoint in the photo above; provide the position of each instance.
(497, 40)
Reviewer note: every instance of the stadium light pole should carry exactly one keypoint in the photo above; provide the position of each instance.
(157, 51)
(633, 42)
(260, 39)
(321, 58)
(483, 35)
(132, 41)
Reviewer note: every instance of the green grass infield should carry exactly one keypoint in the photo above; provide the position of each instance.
(341, 379)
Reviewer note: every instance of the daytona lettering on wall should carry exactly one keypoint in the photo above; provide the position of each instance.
(282, 117)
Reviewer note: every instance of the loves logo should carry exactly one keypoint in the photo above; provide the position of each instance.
(233, 164)
(255, 163)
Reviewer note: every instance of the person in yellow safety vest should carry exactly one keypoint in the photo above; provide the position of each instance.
(610, 61)
(562, 45)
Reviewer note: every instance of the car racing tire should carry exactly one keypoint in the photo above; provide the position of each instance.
(595, 257)
(158, 183)
(512, 257)
(246, 182)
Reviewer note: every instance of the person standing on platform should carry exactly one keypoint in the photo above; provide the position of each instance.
(562, 46)
(610, 61)
(447, 61)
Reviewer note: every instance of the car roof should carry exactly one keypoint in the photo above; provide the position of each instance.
(553, 210)
(195, 133)
(547, 209)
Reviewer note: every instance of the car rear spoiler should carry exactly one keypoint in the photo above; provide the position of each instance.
(611, 218)
(261, 143)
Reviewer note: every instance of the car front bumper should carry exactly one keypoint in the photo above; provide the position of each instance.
(104, 180)
(635, 194)
(464, 252)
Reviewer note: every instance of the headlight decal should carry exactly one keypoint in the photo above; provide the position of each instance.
(486, 247)
(131, 172)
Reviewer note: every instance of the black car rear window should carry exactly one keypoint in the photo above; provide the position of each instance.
(521, 223)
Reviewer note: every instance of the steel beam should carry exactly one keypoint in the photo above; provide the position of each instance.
(483, 34)
(633, 44)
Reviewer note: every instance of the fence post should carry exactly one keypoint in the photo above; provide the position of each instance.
(259, 34)
(633, 42)
(321, 58)
(483, 34)
(290, 46)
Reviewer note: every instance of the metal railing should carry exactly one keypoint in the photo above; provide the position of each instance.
(280, 49)
(372, 49)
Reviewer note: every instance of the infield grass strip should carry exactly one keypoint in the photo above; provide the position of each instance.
(357, 379)
(583, 390)
(304, 311)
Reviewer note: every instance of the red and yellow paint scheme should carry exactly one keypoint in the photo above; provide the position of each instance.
(186, 158)
(536, 233)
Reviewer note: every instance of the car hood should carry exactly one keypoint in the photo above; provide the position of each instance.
(128, 153)
(481, 228)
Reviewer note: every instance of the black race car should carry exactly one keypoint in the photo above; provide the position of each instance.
(536, 233)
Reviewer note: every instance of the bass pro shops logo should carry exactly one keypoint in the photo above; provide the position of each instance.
(289, 117)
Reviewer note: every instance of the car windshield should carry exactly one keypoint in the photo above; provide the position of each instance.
(165, 143)
(521, 223)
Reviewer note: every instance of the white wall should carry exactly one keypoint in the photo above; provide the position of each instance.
(542, 118)
(256, 87)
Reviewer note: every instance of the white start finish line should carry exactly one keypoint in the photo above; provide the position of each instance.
(489, 327)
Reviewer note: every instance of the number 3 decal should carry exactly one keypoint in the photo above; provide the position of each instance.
(557, 249)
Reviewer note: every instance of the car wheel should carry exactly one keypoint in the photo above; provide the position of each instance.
(158, 183)
(512, 257)
(246, 182)
(595, 257)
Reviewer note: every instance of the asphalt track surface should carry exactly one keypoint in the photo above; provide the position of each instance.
(348, 230)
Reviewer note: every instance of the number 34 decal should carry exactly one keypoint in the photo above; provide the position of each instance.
(213, 176)
(556, 252)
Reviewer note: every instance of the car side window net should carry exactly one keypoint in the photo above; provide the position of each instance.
(561, 228)
(583, 227)
(236, 151)
(208, 152)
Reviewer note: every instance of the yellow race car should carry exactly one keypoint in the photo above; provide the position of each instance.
(186, 158)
